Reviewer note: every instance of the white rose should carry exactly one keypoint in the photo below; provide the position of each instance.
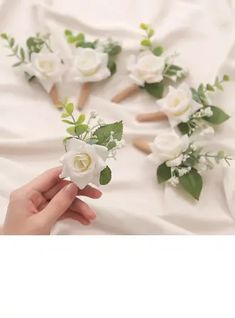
(90, 65)
(83, 163)
(178, 104)
(146, 68)
(168, 146)
(47, 67)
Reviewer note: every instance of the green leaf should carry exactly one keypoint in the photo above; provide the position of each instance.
(218, 84)
(4, 36)
(71, 130)
(114, 50)
(68, 32)
(104, 132)
(192, 183)
(80, 129)
(105, 176)
(22, 54)
(86, 44)
(150, 32)
(81, 119)
(67, 122)
(71, 39)
(146, 42)
(210, 88)
(163, 173)
(195, 96)
(144, 26)
(226, 78)
(158, 50)
(69, 108)
(80, 37)
(112, 66)
(12, 42)
(155, 89)
(218, 117)
(172, 69)
(184, 128)
(65, 115)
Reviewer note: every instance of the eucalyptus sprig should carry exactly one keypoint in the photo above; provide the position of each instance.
(33, 44)
(147, 40)
(112, 48)
(188, 174)
(17, 51)
(208, 114)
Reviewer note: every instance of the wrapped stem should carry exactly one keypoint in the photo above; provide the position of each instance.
(127, 92)
(55, 96)
(142, 145)
(151, 117)
(84, 95)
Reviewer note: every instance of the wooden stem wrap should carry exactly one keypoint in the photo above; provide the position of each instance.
(54, 95)
(84, 95)
(142, 145)
(127, 92)
(151, 117)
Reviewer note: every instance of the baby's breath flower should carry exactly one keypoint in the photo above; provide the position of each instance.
(174, 181)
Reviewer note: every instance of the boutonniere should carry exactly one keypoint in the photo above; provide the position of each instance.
(93, 61)
(38, 61)
(150, 69)
(89, 144)
(190, 109)
(180, 161)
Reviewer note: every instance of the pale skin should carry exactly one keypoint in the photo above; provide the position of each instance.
(38, 205)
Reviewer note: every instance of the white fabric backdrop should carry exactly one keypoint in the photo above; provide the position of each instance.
(203, 31)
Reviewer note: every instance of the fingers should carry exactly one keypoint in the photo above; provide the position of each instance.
(91, 192)
(45, 181)
(59, 204)
(88, 191)
(84, 209)
(55, 189)
(75, 216)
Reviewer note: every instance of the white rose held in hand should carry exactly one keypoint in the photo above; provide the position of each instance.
(47, 68)
(83, 163)
(90, 65)
(178, 104)
(168, 146)
(146, 68)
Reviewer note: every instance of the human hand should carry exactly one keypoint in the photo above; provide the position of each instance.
(38, 205)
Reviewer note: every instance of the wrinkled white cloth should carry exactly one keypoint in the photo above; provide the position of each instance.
(202, 31)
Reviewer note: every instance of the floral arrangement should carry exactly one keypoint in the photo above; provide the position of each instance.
(38, 61)
(191, 110)
(181, 162)
(89, 144)
(151, 68)
(93, 61)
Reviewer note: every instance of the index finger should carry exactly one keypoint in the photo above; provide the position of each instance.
(46, 180)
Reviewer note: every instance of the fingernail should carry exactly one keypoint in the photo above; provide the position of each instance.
(71, 189)
(98, 193)
(91, 214)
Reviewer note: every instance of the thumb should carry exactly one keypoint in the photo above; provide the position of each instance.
(59, 204)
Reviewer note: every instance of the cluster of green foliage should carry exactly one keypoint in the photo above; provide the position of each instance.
(33, 45)
(170, 71)
(200, 96)
(192, 181)
(80, 128)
